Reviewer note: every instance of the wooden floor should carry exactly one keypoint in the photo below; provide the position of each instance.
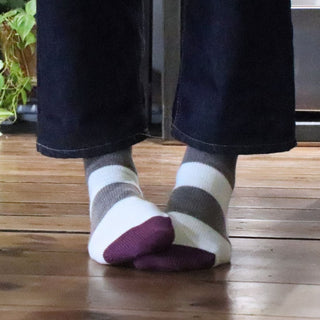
(45, 272)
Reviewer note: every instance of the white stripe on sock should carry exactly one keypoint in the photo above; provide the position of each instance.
(194, 233)
(123, 216)
(106, 175)
(207, 178)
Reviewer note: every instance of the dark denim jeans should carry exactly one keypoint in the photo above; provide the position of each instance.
(235, 92)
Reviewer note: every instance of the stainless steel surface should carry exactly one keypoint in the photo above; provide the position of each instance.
(308, 131)
(307, 63)
(306, 22)
(305, 3)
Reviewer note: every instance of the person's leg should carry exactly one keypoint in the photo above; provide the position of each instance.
(235, 95)
(91, 99)
(91, 106)
(236, 85)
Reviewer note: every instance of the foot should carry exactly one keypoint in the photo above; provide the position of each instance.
(197, 206)
(124, 225)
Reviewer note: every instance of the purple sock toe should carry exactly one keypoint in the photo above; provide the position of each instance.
(154, 235)
(176, 258)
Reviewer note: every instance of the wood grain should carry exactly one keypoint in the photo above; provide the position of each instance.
(45, 271)
(253, 260)
(132, 290)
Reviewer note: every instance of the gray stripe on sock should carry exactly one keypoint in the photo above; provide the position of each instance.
(199, 204)
(121, 157)
(225, 163)
(107, 197)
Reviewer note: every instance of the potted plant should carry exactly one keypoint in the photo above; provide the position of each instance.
(18, 57)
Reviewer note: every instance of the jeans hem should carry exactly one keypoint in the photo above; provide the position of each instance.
(232, 149)
(91, 151)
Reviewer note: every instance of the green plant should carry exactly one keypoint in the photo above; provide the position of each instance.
(17, 40)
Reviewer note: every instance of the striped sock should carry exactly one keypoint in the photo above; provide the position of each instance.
(197, 207)
(123, 224)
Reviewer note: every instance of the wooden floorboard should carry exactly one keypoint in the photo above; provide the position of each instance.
(253, 260)
(45, 272)
(142, 291)
(50, 313)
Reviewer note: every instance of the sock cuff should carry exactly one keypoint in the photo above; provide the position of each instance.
(121, 157)
(225, 163)
(206, 178)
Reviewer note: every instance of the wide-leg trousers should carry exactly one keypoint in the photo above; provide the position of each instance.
(235, 92)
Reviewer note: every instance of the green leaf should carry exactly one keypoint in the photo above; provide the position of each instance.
(10, 13)
(5, 114)
(23, 96)
(2, 81)
(30, 39)
(9, 98)
(31, 7)
(23, 24)
(28, 86)
(7, 15)
(15, 67)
